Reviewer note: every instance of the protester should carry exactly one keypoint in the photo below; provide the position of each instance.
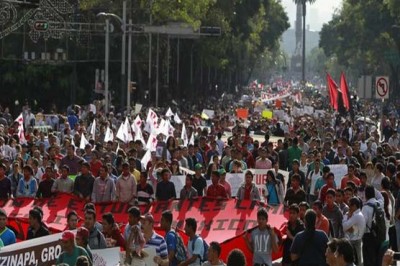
(111, 231)
(310, 245)
(144, 192)
(155, 240)
(295, 194)
(274, 191)
(216, 190)
(344, 255)
(83, 184)
(126, 186)
(248, 190)
(96, 238)
(63, 183)
(5, 183)
(71, 251)
(199, 182)
(195, 244)
(82, 240)
(7, 236)
(103, 187)
(236, 258)
(263, 240)
(188, 191)
(333, 213)
(293, 226)
(72, 220)
(46, 184)
(27, 186)
(165, 188)
(214, 253)
(36, 227)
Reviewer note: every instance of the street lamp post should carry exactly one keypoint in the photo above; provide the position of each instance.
(107, 61)
(107, 53)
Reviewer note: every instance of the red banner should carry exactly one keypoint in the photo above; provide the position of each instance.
(218, 220)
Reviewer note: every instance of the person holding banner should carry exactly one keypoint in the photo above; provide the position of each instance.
(248, 190)
(225, 184)
(27, 186)
(274, 189)
(188, 191)
(216, 190)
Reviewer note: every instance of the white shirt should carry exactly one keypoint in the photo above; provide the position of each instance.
(368, 211)
(357, 222)
(313, 177)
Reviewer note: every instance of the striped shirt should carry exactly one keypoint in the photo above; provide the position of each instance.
(158, 242)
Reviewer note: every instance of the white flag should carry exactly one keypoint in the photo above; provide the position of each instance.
(93, 129)
(171, 129)
(137, 123)
(163, 127)
(83, 142)
(152, 119)
(177, 119)
(184, 136)
(139, 135)
(128, 131)
(146, 158)
(191, 141)
(169, 112)
(152, 143)
(109, 136)
(120, 132)
(21, 132)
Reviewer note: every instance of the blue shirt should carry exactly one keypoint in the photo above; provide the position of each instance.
(170, 238)
(159, 244)
(197, 250)
(7, 236)
(272, 195)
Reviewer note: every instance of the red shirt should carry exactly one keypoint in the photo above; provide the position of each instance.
(322, 193)
(216, 191)
(346, 178)
(247, 191)
(95, 168)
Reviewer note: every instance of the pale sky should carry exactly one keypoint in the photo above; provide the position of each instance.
(317, 14)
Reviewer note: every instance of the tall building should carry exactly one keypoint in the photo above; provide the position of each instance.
(297, 53)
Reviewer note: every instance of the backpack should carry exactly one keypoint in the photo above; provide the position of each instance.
(180, 253)
(204, 256)
(378, 225)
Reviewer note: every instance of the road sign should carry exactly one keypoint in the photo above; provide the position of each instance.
(382, 87)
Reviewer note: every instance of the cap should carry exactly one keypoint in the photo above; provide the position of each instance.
(198, 166)
(67, 235)
(149, 217)
(82, 232)
(222, 171)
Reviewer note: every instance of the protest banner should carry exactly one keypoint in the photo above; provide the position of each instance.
(242, 113)
(339, 170)
(267, 114)
(44, 251)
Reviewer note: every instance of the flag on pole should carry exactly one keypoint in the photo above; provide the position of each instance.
(152, 143)
(333, 92)
(146, 158)
(21, 132)
(137, 124)
(345, 92)
(191, 141)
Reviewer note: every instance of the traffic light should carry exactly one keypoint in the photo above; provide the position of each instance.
(131, 86)
(41, 25)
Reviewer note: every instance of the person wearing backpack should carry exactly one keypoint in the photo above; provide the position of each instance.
(196, 247)
(176, 248)
(375, 230)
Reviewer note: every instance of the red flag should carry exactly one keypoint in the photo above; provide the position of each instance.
(345, 92)
(333, 91)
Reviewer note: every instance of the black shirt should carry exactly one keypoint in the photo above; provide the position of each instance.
(44, 189)
(43, 231)
(5, 188)
(199, 184)
(84, 185)
(165, 190)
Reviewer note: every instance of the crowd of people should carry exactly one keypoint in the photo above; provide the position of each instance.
(354, 221)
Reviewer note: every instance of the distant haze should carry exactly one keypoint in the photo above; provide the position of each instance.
(317, 14)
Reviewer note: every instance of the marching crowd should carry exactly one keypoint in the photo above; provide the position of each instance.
(353, 222)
